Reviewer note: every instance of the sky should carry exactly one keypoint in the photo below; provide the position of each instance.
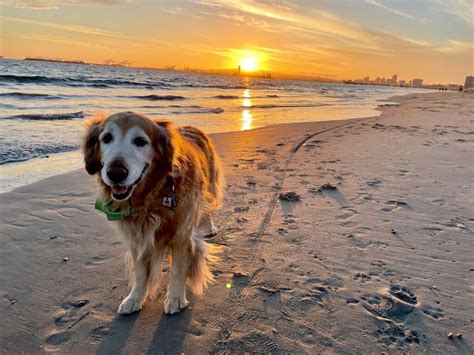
(340, 39)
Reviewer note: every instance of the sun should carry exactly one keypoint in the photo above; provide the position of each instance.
(249, 64)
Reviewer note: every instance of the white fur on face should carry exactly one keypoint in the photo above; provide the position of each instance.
(123, 147)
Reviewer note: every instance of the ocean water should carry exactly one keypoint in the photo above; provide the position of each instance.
(43, 104)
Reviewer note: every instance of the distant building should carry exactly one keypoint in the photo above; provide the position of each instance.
(417, 83)
(394, 79)
(366, 79)
(469, 83)
(377, 81)
(402, 82)
(382, 81)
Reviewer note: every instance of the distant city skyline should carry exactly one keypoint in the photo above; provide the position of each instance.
(429, 39)
(414, 82)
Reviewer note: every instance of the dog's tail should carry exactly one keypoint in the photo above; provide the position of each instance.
(218, 181)
(204, 256)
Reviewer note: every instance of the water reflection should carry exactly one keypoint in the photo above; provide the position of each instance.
(246, 120)
(246, 114)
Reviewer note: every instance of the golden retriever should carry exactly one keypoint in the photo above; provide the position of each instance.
(161, 183)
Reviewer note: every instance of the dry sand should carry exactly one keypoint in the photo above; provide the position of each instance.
(381, 259)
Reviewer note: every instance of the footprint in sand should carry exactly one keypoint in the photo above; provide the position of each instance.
(352, 300)
(433, 312)
(98, 333)
(362, 277)
(374, 182)
(379, 263)
(67, 317)
(97, 260)
(347, 213)
(57, 339)
(254, 342)
(393, 205)
(386, 308)
(403, 293)
(348, 224)
(393, 334)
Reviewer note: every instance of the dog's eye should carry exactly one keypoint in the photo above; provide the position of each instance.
(107, 138)
(140, 141)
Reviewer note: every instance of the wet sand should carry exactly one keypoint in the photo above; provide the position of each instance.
(345, 236)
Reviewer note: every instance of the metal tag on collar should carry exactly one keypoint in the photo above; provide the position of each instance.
(170, 200)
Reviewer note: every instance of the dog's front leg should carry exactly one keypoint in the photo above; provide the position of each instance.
(134, 301)
(175, 299)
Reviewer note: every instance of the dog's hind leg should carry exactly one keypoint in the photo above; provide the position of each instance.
(206, 226)
(134, 301)
(175, 299)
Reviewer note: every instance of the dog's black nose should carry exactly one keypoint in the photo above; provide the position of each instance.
(117, 172)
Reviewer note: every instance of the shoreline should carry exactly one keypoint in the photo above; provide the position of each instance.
(375, 248)
(17, 174)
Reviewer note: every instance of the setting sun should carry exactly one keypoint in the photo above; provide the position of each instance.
(249, 64)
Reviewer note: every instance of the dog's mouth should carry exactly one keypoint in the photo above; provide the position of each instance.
(120, 192)
(123, 192)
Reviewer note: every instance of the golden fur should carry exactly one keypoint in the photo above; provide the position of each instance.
(153, 231)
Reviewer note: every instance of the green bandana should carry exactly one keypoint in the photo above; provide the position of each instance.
(111, 215)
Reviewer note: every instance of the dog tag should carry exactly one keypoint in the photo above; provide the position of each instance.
(170, 201)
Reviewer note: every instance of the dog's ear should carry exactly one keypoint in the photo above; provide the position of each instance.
(91, 146)
(164, 145)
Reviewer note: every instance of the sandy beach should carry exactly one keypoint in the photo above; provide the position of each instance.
(349, 236)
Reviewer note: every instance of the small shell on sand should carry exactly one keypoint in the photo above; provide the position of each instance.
(450, 335)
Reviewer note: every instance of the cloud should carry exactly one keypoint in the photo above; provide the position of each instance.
(314, 24)
(63, 41)
(463, 9)
(70, 28)
(396, 11)
(53, 4)
(457, 47)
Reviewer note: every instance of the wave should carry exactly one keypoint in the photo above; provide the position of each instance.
(282, 106)
(225, 97)
(213, 86)
(185, 110)
(25, 95)
(216, 110)
(229, 97)
(80, 81)
(154, 97)
(30, 152)
(47, 116)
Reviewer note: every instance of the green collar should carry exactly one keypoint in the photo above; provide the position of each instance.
(169, 200)
(106, 208)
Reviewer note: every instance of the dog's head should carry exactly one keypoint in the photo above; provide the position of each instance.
(125, 148)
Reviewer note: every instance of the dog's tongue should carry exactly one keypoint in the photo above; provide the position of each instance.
(119, 190)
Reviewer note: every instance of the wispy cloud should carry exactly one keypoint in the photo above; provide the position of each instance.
(53, 4)
(457, 47)
(396, 11)
(463, 9)
(63, 27)
(64, 41)
(314, 23)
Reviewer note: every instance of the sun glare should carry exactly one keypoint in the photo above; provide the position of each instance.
(249, 64)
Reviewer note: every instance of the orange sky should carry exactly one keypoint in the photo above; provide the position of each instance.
(430, 39)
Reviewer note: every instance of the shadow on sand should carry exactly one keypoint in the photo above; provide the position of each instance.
(167, 338)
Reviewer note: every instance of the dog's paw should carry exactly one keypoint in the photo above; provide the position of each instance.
(175, 304)
(129, 305)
